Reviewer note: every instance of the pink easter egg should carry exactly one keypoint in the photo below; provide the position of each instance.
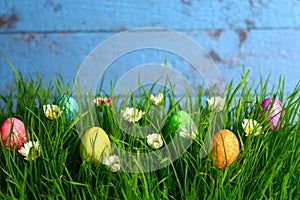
(273, 109)
(13, 133)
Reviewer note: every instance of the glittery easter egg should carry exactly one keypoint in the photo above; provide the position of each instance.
(13, 133)
(273, 110)
(68, 106)
(95, 145)
(226, 148)
(182, 124)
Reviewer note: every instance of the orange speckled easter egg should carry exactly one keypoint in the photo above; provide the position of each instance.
(226, 148)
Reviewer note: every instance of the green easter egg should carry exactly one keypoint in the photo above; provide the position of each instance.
(182, 126)
(95, 145)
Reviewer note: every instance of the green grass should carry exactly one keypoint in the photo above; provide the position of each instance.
(268, 166)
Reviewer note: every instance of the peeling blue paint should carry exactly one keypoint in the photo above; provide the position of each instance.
(257, 34)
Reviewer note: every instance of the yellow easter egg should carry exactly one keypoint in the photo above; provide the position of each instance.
(95, 145)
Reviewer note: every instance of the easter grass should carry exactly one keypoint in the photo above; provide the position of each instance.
(268, 166)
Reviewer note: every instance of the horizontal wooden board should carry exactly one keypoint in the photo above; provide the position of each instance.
(113, 16)
(62, 53)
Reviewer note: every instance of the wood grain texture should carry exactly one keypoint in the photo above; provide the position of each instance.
(50, 54)
(54, 36)
(90, 16)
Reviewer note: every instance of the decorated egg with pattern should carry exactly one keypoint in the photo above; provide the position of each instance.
(273, 111)
(226, 148)
(68, 105)
(13, 133)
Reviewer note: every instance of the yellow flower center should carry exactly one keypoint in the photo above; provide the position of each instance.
(249, 130)
(33, 153)
(53, 115)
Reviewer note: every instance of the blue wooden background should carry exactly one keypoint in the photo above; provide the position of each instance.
(54, 36)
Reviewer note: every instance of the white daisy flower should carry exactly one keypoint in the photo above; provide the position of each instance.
(157, 99)
(30, 150)
(99, 101)
(251, 126)
(52, 111)
(132, 114)
(113, 162)
(154, 140)
(189, 132)
(217, 103)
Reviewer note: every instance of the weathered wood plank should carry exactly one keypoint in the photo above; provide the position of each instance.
(103, 16)
(272, 50)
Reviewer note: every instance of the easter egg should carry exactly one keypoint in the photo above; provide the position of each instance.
(180, 124)
(226, 148)
(273, 109)
(68, 105)
(95, 145)
(13, 133)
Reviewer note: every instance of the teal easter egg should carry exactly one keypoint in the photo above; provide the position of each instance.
(68, 105)
(180, 127)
